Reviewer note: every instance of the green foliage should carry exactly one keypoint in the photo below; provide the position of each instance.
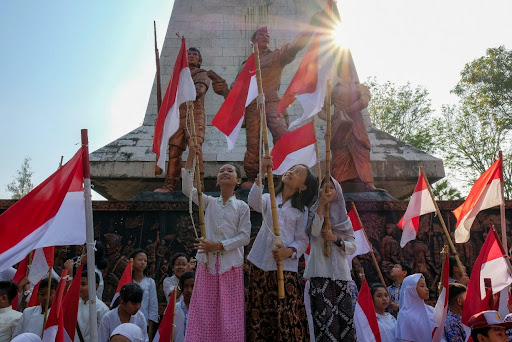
(444, 191)
(402, 111)
(22, 184)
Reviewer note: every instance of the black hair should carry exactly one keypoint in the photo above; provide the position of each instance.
(84, 275)
(405, 267)
(44, 284)
(453, 263)
(377, 286)
(9, 289)
(187, 275)
(131, 292)
(176, 256)
(199, 53)
(302, 199)
(99, 256)
(480, 331)
(256, 33)
(134, 254)
(454, 290)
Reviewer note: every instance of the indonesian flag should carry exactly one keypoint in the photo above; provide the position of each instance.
(126, 278)
(295, 147)
(491, 263)
(420, 204)
(53, 214)
(485, 193)
(309, 84)
(180, 90)
(165, 329)
(441, 309)
(41, 264)
(362, 246)
(34, 299)
(230, 116)
(53, 330)
(70, 307)
(21, 272)
(365, 317)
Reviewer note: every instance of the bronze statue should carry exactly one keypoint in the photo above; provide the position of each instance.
(115, 266)
(181, 139)
(390, 250)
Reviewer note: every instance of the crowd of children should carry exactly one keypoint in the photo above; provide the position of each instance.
(211, 304)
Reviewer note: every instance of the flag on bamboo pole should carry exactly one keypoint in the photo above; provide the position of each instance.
(295, 147)
(34, 299)
(180, 90)
(52, 214)
(165, 330)
(70, 306)
(441, 308)
(365, 317)
(230, 116)
(54, 328)
(126, 278)
(42, 261)
(491, 263)
(485, 193)
(21, 272)
(362, 246)
(420, 204)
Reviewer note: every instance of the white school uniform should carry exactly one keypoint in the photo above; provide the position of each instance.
(31, 321)
(111, 321)
(180, 321)
(149, 305)
(8, 320)
(387, 327)
(83, 318)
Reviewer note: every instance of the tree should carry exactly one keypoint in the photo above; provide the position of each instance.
(402, 111)
(22, 184)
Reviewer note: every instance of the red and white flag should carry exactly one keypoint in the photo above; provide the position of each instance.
(362, 246)
(180, 90)
(420, 204)
(485, 193)
(54, 328)
(126, 278)
(230, 116)
(165, 329)
(34, 299)
(42, 261)
(309, 84)
(53, 214)
(21, 272)
(295, 147)
(70, 307)
(441, 309)
(491, 263)
(365, 317)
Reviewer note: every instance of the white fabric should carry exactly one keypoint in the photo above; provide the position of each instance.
(111, 321)
(179, 322)
(169, 284)
(7, 274)
(27, 337)
(8, 320)
(101, 286)
(83, 318)
(130, 331)
(292, 226)
(305, 155)
(31, 321)
(149, 306)
(497, 271)
(420, 204)
(387, 327)
(226, 223)
(414, 318)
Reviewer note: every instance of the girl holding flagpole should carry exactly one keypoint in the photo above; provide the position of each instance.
(329, 276)
(268, 318)
(217, 310)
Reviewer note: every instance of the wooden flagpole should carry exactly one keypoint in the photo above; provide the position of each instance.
(197, 174)
(90, 243)
(372, 253)
(502, 209)
(444, 255)
(327, 249)
(438, 212)
(271, 190)
(47, 297)
(173, 313)
(317, 154)
(158, 80)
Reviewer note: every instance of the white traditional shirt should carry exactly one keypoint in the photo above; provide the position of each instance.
(335, 266)
(149, 306)
(31, 321)
(111, 321)
(8, 320)
(387, 327)
(227, 223)
(169, 284)
(180, 321)
(292, 227)
(83, 318)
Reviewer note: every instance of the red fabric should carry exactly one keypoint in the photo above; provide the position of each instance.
(34, 300)
(291, 142)
(365, 301)
(170, 96)
(126, 278)
(355, 221)
(49, 254)
(70, 305)
(165, 329)
(233, 108)
(420, 186)
(21, 272)
(439, 329)
(55, 317)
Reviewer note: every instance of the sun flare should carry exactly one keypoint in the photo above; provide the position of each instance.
(339, 36)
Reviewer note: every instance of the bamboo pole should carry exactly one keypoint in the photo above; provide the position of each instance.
(327, 247)
(438, 212)
(197, 174)
(502, 209)
(444, 253)
(317, 154)
(158, 81)
(372, 253)
(173, 313)
(271, 190)
(47, 297)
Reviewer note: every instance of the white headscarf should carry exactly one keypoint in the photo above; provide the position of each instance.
(414, 317)
(27, 337)
(130, 331)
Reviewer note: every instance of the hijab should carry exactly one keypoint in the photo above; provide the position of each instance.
(130, 331)
(27, 337)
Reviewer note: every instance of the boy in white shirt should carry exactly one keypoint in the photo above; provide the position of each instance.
(8, 317)
(83, 324)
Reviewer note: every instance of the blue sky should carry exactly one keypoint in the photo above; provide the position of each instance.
(67, 65)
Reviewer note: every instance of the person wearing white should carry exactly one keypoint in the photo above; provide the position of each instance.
(386, 321)
(7, 274)
(111, 321)
(8, 317)
(31, 321)
(387, 327)
(130, 331)
(414, 321)
(27, 337)
(179, 262)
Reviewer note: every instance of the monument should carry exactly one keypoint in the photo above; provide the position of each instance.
(125, 167)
